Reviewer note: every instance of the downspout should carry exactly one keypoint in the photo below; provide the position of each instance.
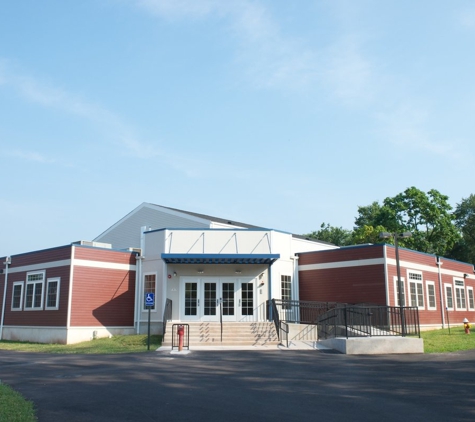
(269, 281)
(439, 264)
(386, 281)
(295, 277)
(271, 318)
(70, 292)
(138, 289)
(138, 271)
(7, 262)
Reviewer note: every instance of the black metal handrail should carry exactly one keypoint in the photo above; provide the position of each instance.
(284, 328)
(274, 315)
(167, 315)
(302, 311)
(221, 317)
(369, 321)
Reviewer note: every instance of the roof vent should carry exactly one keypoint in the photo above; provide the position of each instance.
(93, 244)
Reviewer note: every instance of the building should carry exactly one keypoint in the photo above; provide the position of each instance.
(442, 289)
(205, 265)
(67, 294)
(202, 268)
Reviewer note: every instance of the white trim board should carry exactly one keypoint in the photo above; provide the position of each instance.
(379, 261)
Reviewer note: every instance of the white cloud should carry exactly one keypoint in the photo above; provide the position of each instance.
(179, 8)
(350, 74)
(27, 156)
(406, 127)
(269, 59)
(45, 95)
(466, 18)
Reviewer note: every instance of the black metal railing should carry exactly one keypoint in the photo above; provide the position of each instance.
(167, 315)
(273, 314)
(368, 321)
(176, 336)
(284, 333)
(302, 311)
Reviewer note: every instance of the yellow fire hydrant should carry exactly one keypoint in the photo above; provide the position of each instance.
(466, 326)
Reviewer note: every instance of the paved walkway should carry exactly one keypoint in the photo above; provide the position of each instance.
(232, 386)
(293, 345)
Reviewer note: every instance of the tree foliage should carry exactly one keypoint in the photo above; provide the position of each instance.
(336, 235)
(464, 215)
(428, 216)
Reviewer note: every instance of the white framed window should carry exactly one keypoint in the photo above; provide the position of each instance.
(460, 303)
(149, 286)
(17, 295)
(34, 290)
(416, 291)
(431, 302)
(396, 292)
(286, 290)
(52, 294)
(471, 302)
(449, 297)
(286, 287)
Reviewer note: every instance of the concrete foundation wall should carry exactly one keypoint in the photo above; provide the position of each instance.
(36, 334)
(156, 327)
(302, 332)
(375, 345)
(78, 335)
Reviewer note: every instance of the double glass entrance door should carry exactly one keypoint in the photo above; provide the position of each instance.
(207, 299)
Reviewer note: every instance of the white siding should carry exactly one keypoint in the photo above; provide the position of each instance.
(126, 233)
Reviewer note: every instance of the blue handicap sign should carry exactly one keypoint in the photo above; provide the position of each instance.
(149, 299)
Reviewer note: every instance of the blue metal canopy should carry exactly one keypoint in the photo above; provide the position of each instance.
(187, 258)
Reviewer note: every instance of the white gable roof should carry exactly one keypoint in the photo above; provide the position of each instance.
(126, 232)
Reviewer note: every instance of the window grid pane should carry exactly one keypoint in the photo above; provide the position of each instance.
(471, 303)
(449, 297)
(52, 294)
(431, 293)
(16, 301)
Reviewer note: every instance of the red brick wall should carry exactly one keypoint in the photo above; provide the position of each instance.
(102, 297)
(38, 318)
(343, 254)
(363, 284)
(40, 257)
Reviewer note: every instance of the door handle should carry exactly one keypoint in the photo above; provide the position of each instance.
(198, 302)
(239, 302)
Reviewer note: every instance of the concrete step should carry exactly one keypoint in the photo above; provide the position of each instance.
(234, 334)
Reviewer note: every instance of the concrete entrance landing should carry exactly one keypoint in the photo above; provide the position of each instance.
(374, 345)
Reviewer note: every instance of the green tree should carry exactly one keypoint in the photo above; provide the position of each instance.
(368, 234)
(464, 215)
(336, 235)
(369, 215)
(426, 215)
(435, 229)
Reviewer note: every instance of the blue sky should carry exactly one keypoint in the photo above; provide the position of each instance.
(275, 113)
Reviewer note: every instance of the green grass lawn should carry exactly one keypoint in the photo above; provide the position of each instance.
(115, 344)
(441, 341)
(13, 407)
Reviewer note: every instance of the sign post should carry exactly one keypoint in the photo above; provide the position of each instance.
(149, 304)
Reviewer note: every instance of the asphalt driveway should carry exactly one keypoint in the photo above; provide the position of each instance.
(245, 386)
